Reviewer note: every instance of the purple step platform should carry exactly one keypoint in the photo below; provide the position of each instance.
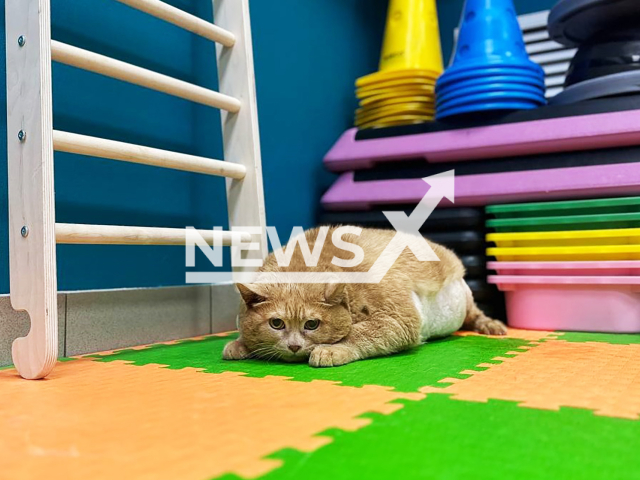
(491, 188)
(604, 130)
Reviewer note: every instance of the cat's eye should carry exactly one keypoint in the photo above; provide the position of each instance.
(311, 324)
(276, 323)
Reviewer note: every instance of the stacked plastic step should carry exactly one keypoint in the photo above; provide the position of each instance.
(562, 151)
(568, 151)
(572, 265)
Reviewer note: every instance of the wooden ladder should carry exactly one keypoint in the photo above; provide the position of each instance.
(33, 233)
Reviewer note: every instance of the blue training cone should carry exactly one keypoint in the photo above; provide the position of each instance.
(489, 34)
(490, 45)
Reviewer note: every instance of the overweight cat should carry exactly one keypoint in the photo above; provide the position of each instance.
(335, 324)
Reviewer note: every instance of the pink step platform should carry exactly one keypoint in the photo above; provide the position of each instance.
(492, 188)
(608, 269)
(592, 304)
(603, 130)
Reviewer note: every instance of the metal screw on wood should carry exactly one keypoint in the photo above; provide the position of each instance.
(22, 135)
(22, 40)
(24, 231)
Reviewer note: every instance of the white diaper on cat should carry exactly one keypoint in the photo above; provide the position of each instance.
(442, 313)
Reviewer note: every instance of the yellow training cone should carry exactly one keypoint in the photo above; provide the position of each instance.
(412, 37)
(398, 91)
(370, 114)
(384, 100)
(390, 75)
(396, 120)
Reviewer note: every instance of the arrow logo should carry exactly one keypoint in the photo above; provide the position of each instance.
(407, 236)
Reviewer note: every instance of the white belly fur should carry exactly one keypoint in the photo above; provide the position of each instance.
(443, 312)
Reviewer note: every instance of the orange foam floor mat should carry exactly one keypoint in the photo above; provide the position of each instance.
(177, 411)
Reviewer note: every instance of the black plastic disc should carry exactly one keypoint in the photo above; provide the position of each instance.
(573, 22)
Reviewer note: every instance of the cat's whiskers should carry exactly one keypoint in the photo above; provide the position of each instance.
(274, 356)
(266, 352)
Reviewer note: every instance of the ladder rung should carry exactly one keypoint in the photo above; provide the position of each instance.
(73, 233)
(127, 152)
(182, 19)
(110, 67)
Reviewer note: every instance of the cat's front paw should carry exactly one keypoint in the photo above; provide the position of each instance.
(235, 350)
(331, 356)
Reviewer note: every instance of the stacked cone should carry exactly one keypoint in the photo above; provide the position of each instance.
(490, 69)
(403, 90)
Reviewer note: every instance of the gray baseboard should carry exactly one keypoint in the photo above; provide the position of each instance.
(100, 320)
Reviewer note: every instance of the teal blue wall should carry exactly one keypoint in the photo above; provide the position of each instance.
(307, 55)
(449, 16)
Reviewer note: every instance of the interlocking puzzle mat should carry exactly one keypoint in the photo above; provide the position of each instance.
(529, 405)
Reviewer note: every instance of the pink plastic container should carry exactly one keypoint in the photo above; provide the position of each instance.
(589, 304)
(579, 269)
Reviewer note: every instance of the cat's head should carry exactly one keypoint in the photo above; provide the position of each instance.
(286, 321)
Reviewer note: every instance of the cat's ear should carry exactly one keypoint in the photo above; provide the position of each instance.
(335, 293)
(251, 293)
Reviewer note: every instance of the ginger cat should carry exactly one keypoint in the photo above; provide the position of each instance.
(335, 324)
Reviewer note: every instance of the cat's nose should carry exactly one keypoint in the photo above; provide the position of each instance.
(294, 348)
